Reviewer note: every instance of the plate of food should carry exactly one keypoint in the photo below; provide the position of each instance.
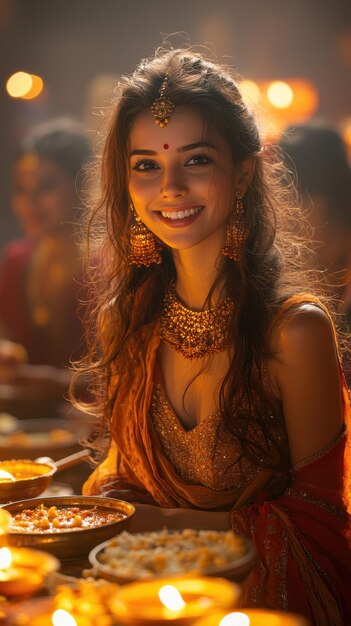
(67, 526)
(37, 437)
(144, 556)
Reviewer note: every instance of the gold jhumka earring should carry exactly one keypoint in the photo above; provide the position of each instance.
(143, 246)
(236, 230)
(162, 107)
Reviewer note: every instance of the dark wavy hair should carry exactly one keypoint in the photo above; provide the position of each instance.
(265, 275)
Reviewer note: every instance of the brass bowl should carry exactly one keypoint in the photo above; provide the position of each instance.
(75, 543)
(31, 479)
(235, 571)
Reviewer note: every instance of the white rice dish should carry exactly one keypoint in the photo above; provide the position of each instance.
(171, 552)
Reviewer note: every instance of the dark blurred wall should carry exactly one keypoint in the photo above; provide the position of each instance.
(69, 42)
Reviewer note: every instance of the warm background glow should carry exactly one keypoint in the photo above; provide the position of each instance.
(279, 103)
(70, 67)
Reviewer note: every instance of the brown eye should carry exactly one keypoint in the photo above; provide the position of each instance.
(199, 159)
(145, 165)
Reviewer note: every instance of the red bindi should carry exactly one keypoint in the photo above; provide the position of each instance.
(166, 146)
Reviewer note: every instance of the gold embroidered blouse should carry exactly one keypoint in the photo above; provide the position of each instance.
(207, 454)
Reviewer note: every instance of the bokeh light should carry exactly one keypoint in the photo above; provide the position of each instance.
(36, 89)
(19, 84)
(346, 133)
(250, 92)
(24, 85)
(280, 94)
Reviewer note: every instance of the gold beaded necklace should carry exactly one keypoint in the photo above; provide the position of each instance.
(194, 333)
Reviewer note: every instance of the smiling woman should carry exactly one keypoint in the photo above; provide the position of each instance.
(215, 374)
(193, 182)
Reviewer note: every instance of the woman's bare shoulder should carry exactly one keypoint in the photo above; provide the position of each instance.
(306, 376)
(305, 326)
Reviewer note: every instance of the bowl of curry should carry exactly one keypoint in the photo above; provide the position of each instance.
(24, 478)
(67, 526)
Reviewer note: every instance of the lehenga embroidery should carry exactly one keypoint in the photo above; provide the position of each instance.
(304, 496)
(281, 571)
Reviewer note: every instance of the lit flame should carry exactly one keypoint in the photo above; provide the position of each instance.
(63, 618)
(235, 619)
(5, 558)
(171, 598)
(6, 476)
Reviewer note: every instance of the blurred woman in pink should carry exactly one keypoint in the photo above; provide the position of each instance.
(41, 274)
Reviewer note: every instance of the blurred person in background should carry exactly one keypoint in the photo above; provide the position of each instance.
(317, 154)
(41, 274)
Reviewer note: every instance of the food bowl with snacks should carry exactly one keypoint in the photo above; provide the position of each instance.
(145, 556)
(68, 526)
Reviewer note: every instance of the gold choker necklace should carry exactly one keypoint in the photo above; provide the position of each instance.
(194, 333)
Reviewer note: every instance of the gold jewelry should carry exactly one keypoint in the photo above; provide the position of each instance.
(194, 333)
(143, 246)
(162, 107)
(236, 230)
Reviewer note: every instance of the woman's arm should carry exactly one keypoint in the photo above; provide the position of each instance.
(306, 374)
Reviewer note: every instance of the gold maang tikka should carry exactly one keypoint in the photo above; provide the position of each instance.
(162, 107)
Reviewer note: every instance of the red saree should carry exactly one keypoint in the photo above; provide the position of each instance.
(303, 541)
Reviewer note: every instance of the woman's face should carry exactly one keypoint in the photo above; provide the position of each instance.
(43, 195)
(182, 179)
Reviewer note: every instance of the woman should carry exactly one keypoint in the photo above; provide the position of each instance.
(218, 378)
(41, 274)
